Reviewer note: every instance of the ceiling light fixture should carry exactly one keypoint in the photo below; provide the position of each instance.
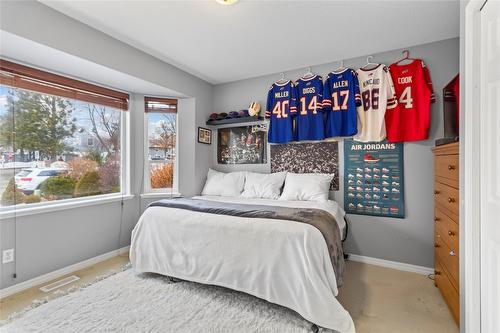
(226, 2)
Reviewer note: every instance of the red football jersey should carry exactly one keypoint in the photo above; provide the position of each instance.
(410, 120)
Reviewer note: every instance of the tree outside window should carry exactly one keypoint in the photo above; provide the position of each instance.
(54, 148)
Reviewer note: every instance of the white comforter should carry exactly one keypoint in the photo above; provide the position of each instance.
(283, 262)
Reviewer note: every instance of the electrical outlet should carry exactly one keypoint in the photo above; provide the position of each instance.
(7, 256)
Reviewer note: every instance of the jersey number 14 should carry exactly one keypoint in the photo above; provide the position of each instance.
(313, 105)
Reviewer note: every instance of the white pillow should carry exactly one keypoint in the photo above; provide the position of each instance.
(261, 185)
(307, 187)
(224, 184)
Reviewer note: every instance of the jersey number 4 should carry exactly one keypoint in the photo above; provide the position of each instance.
(406, 98)
(280, 109)
(313, 105)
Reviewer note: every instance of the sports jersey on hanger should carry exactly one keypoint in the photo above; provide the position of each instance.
(281, 108)
(341, 96)
(410, 121)
(310, 124)
(377, 96)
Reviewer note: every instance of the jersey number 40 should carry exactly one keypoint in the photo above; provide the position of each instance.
(280, 109)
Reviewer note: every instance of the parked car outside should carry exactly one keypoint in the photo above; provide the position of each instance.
(29, 180)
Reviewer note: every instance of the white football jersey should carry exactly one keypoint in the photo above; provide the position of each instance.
(377, 95)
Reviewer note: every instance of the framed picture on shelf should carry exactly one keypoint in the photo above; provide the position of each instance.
(241, 145)
(204, 135)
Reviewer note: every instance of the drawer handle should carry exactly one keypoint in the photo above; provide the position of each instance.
(436, 245)
(436, 219)
(451, 233)
(452, 253)
(436, 192)
(436, 272)
(450, 199)
(451, 167)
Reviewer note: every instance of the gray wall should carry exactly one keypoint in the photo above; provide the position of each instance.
(50, 241)
(408, 240)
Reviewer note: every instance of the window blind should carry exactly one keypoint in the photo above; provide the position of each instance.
(157, 104)
(24, 77)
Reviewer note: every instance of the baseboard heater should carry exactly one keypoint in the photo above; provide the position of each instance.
(59, 283)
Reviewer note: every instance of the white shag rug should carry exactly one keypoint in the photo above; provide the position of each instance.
(125, 302)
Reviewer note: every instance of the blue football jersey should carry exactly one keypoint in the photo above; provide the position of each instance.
(341, 96)
(281, 108)
(310, 122)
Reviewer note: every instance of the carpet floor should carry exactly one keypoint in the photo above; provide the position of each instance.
(125, 302)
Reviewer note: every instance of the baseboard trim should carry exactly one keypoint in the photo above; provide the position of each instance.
(392, 264)
(60, 272)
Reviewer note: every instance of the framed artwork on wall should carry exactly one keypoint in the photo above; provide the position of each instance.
(309, 157)
(204, 135)
(241, 145)
(374, 179)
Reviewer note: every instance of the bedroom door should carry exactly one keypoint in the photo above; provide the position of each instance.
(489, 113)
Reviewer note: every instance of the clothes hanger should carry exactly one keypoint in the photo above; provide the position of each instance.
(309, 74)
(282, 78)
(368, 63)
(340, 67)
(406, 56)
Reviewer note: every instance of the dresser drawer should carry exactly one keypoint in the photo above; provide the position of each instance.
(449, 293)
(447, 199)
(447, 229)
(448, 258)
(446, 166)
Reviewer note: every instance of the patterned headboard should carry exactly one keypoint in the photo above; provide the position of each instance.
(310, 157)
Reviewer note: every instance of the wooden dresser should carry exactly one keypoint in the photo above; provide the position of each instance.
(446, 230)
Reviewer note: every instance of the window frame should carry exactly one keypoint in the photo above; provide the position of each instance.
(147, 190)
(17, 210)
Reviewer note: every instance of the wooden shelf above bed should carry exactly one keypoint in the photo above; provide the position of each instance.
(233, 121)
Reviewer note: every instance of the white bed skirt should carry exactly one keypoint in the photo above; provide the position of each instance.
(283, 262)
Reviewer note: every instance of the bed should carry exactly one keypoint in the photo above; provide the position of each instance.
(282, 261)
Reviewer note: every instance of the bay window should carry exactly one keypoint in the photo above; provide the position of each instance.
(60, 138)
(160, 145)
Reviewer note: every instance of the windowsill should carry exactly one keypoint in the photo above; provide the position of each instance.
(63, 205)
(152, 195)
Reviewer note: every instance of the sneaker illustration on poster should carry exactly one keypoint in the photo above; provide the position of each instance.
(370, 158)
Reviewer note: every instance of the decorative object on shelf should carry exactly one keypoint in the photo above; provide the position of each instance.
(254, 109)
(234, 117)
(373, 178)
(241, 145)
(311, 157)
(204, 135)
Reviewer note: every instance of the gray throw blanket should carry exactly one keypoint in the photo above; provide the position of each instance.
(322, 220)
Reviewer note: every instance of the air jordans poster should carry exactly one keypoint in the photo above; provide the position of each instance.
(374, 179)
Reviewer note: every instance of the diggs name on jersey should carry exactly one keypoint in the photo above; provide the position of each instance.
(309, 90)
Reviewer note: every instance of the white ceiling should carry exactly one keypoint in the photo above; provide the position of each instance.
(43, 57)
(252, 38)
